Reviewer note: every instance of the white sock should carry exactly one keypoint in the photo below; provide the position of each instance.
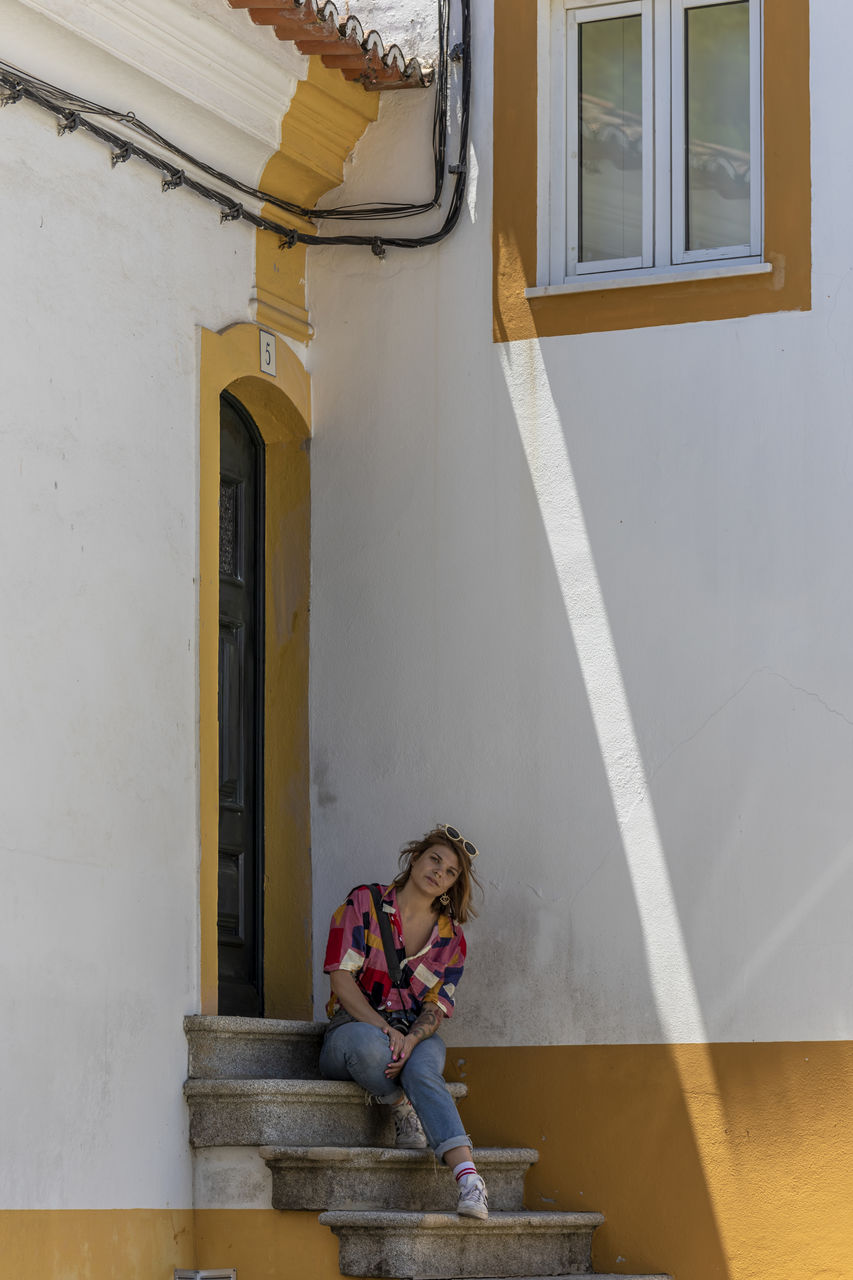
(464, 1170)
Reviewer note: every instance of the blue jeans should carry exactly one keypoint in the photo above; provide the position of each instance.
(357, 1051)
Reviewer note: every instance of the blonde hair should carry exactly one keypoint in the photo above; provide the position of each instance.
(460, 906)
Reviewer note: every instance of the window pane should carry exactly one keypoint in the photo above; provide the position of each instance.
(717, 160)
(610, 147)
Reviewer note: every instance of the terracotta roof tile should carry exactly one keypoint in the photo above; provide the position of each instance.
(316, 27)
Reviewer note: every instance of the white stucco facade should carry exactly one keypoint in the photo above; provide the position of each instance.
(586, 597)
(106, 284)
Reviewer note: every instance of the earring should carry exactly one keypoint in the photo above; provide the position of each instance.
(445, 899)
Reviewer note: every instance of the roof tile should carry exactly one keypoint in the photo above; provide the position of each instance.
(315, 26)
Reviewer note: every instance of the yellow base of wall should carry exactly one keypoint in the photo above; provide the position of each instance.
(148, 1244)
(720, 1162)
(96, 1244)
(266, 1245)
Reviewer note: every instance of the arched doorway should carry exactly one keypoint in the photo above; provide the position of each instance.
(279, 407)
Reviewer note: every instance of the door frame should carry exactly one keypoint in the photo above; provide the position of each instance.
(280, 409)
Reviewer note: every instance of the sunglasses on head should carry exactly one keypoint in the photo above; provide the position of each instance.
(457, 838)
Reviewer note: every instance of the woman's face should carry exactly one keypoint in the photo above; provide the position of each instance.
(436, 870)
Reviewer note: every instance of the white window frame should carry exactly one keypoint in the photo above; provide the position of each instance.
(664, 200)
(679, 206)
(570, 233)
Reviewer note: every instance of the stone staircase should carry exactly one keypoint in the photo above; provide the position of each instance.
(254, 1084)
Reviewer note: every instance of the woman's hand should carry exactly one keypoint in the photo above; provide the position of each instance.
(401, 1049)
(396, 1041)
(425, 1025)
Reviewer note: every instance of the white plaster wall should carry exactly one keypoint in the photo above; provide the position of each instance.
(233, 80)
(105, 283)
(590, 600)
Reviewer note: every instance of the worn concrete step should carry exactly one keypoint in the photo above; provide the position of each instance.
(272, 1113)
(320, 1178)
(252, 1048)
(443, 1246)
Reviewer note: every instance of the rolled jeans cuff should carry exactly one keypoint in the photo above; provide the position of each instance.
(461, 1140)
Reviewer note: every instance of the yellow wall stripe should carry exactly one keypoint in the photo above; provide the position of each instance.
(265, 1245)
(96, 1244)
(148, 1244)
(711, 1162)
(325, 120)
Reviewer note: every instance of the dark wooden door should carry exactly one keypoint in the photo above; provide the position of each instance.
(241, 711)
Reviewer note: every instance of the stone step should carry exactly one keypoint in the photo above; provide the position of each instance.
(443, 1246)
(273, 1113)
(223, 1048)
(320, 1178)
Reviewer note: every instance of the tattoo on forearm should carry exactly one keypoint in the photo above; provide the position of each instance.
(427, 1022)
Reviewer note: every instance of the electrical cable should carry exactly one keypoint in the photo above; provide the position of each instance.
(63, 101)
(72, 112)
(459, 171)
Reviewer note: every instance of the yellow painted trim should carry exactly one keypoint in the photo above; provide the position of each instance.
(266, 1245)
(325, 120)
(710, 1162)
(96, 1244)
(280, 407)
(149, 1244)
(787, 190)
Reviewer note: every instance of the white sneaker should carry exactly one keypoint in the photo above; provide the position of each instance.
(473, 1201)
(409, 1133)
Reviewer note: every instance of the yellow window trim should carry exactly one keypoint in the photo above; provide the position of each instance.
(787, 200)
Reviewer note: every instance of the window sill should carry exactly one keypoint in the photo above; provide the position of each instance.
(637, 280)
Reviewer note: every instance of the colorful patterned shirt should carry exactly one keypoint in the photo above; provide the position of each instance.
(355, 944)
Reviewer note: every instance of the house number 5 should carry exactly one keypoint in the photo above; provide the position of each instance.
(268, 353)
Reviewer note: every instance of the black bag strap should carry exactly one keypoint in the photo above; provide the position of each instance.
(394, 970)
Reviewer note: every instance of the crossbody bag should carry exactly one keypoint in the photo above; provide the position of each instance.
(401, 1019)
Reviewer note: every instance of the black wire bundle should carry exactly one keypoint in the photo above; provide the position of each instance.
(379, 209)
(458, 170)
(73, 112)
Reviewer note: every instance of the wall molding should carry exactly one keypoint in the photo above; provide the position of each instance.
(287, 317)
(200, 49)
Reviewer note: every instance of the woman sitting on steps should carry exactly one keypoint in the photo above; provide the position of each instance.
(394, 957)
